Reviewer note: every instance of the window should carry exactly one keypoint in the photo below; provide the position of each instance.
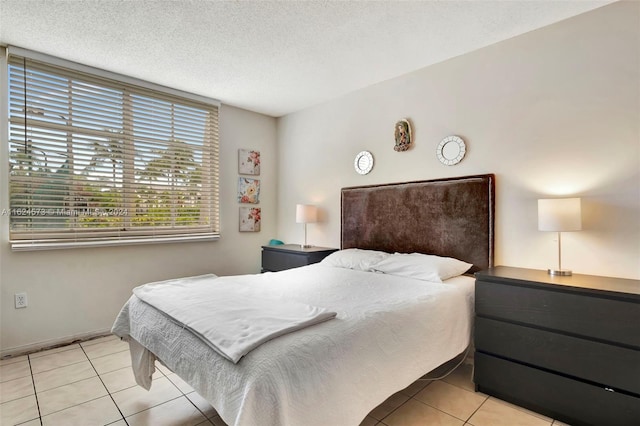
(98, 160)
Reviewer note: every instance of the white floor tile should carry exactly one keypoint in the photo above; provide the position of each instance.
(34, 422)
(524, 410)
(123, 378)
(179, 411)
(451, 399)
(57, 360)
(70, 393)
(63, 376)
(180, 384)
(462, 377)
(97, 412)
(390, 404)
(164, 370)
(112, 362)
(14, 371)
(107, 347)
(202, 404)
(18, 411)
(16, 389)
(416, 387)
(136, 399)
(67, 396)
(415, 413)
(494, 413)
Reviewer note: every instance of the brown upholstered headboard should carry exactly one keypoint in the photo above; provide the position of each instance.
(451, 217)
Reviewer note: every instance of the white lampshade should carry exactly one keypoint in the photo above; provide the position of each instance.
(306, 213)
(559, 214)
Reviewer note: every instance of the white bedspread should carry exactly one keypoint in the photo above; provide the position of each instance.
(232, 318)
(388, 332)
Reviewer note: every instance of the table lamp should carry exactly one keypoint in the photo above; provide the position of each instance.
(559, 215)
(306, 213)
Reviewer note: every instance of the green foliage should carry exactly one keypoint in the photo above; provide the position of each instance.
(100, 203)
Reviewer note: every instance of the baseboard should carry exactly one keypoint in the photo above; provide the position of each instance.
(50, 344)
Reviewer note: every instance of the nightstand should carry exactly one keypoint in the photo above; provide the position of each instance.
(287, 256)
(566, 347)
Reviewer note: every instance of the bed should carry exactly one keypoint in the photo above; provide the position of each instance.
(389, 329)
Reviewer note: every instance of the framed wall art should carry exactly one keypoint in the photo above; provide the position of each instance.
(402, 135)
(248, 190)
(250, 218)
(248, 162)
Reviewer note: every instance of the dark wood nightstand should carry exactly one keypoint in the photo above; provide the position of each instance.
(566, 347)
(287, 256)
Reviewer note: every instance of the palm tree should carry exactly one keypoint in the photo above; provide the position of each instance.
(172, 167)
(174, 164)
(109, 153)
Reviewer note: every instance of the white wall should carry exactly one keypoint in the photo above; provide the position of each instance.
(76, 293)
(555, 112)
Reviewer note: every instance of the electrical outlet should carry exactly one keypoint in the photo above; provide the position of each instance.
(21, 300)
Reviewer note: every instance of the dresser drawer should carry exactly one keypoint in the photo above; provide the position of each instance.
(553, 395)
(608, 319)
(611, 366)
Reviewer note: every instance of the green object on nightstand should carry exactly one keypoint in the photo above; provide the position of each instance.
(275, 243)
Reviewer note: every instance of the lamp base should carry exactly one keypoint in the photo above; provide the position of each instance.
(305, 246)
(560, 272)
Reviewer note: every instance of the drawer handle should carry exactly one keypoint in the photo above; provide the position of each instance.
(609, 390)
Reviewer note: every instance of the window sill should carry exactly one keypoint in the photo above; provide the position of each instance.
(19, 245)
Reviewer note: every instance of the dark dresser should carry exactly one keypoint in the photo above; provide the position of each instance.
(287, 256)
(566, 347)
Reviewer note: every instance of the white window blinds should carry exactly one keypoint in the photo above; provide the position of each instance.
(99, 161)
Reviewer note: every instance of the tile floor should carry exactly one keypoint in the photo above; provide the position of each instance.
(91, 383)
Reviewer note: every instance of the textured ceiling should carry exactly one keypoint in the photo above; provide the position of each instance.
(270, 57)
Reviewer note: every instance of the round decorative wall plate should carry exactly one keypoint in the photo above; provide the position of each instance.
(363, 162)
(451, 150)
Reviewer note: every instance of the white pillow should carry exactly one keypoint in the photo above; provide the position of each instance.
(358, 259)
(422, 266)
